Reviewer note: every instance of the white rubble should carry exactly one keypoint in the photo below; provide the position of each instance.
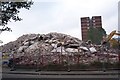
(54, 47)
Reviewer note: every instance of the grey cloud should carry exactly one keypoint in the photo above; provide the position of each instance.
(65, 18)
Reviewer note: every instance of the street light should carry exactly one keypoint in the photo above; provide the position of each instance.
(103, 63)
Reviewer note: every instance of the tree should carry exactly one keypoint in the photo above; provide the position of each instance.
(96, 34)
(9, 11)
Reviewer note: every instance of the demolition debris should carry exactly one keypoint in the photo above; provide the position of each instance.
(56, 48)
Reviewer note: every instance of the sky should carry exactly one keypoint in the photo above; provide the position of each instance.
(62, 16)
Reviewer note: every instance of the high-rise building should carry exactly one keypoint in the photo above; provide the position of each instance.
(96, 21)
(86, 23)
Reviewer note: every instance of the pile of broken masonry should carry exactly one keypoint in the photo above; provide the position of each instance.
(56, 48)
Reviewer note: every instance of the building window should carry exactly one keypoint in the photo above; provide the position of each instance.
(88, 28)
(93, 20)
(94, 24)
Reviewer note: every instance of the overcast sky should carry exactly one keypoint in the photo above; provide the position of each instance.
(62, 16)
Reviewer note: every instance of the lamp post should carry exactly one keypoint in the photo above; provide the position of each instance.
(13, 62)
(0, 65)
(103, 63)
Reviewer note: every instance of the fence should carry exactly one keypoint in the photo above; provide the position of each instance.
(73, 61)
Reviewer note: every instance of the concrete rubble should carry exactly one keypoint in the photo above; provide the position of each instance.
(56, 48)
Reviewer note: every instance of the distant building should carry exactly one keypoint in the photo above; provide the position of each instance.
(119, 16)
(96, 21)
(86, 23)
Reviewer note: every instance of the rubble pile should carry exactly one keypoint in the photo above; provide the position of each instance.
(55, 48)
